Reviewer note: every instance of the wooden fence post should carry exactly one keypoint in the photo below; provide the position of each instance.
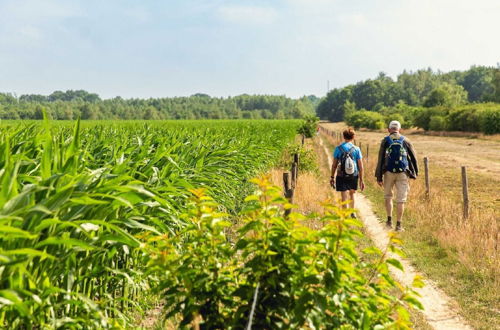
(295, 170)
(303, 138)
(367, 152)
(465, 192)
(288, 191)
(427, 179)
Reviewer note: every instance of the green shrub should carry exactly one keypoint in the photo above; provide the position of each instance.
(437, 123)
(295, 277)
(308, 161)
(366, 119)
(423, 117)
(489, 121)
(464, 119)
(309, 126)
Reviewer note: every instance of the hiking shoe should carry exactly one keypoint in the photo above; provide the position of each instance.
(353, 215)
(388, 224)
(399, 227)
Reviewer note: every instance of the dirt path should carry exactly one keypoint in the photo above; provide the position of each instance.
(438, 310)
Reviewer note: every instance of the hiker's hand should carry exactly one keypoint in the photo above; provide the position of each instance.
(332, 182)
(361, 185)
(380, 183)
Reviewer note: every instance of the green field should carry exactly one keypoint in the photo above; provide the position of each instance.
(100, 219)
(74, 197)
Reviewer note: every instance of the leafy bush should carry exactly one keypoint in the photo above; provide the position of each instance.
(437, 123)
(296, 277)
(489, 121)
(464, 119)
(366, 119)
(308, 161)
(309, 126)
(423, 117)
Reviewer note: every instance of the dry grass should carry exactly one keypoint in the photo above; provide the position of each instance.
(461, 255)
(309, 193)
(474, 240)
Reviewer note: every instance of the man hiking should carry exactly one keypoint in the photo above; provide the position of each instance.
(397, 162)
(348, 165)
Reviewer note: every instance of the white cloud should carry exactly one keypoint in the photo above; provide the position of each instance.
(248, 15)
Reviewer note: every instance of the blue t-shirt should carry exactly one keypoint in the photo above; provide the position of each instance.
(356, 154)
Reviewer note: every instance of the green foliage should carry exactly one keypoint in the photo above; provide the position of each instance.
(423, 87)
(308, 161)
(73, 104)
(309, 126)
(300, 277)
(423, 118)
(490, 121)
(437, 123)
(480, 117)
(446, 95)
(367, 119)
(77, 202)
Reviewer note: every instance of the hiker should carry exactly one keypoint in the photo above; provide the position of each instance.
(397, 161)
(348, 165)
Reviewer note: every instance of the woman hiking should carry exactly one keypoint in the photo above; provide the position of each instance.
(348, 167)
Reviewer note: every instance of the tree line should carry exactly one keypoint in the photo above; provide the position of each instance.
(421, 88)
(72, 104)
(455, 101)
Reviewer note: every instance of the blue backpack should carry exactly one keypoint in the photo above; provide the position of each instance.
(396, 156)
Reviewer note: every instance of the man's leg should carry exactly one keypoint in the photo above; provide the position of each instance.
(388, 206)
(402, 188)
(388, 188)
(400, 210)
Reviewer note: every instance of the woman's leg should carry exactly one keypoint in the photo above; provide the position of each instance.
(351, 197)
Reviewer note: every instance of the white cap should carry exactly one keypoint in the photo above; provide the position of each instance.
(395, 125)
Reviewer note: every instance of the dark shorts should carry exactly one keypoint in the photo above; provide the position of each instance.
(346, 183)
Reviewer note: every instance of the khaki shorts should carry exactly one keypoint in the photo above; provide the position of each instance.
(400, 180)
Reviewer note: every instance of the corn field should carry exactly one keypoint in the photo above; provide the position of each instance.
(76, 199)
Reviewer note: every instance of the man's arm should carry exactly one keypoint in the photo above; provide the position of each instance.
(380, 162)
(412, 157)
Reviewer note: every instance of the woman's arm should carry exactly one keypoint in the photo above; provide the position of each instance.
(334, 169)
(361, 171)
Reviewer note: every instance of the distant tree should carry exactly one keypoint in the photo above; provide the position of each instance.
(151, 113)
(495, 95)
(477, 81)
(332, 106)
(38, 113)
(446, 95)
(87, 112)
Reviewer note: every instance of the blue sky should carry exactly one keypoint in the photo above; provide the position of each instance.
(154, 48)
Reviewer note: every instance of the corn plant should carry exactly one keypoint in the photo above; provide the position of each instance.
(76, 201)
